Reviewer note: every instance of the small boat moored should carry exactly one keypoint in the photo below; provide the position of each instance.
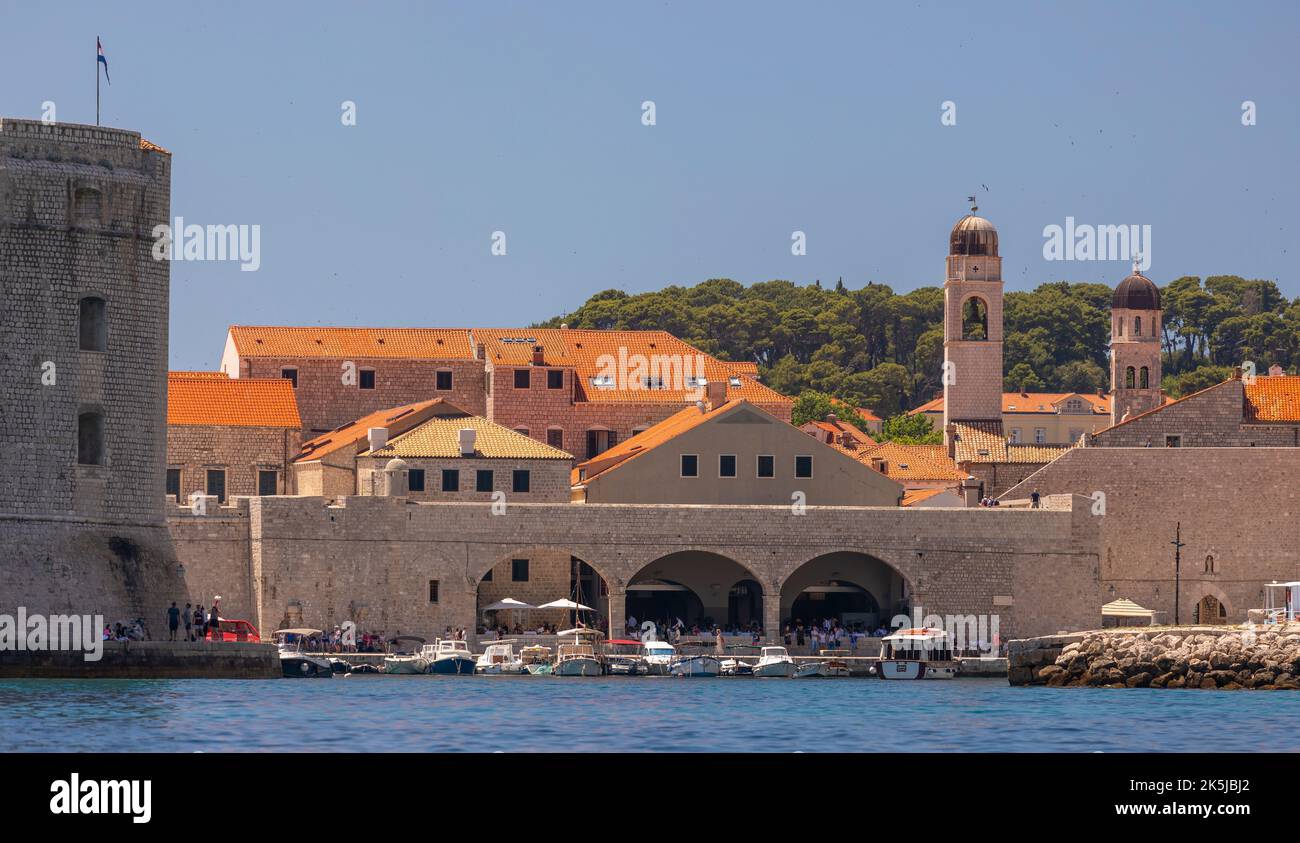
(296, 663)
(536, 660)
(809, 670)
(449, 656)
(658, 657)
(578, 657)
(499, 657)
(921, 653)
(774, 661)
(623, 658)
(701, 665)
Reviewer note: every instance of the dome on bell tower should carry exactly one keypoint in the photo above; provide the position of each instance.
(974, 236)
(1136, 292)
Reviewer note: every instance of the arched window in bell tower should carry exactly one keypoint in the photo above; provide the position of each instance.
(1129, 377)
(1137, 326)
(1144, 378)
(974, 319)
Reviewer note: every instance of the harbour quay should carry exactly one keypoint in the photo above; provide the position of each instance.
(146, 660)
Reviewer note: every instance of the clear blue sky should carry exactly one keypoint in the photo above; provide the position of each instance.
(772, 117)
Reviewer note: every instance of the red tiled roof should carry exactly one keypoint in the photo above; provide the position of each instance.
(912, 497)
(1273, 399)
(1031, 402)
(912, 462)
(396, 419)
(648, 439)
(230, 402)
(396, 343)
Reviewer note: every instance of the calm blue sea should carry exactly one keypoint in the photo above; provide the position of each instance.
(653, 714)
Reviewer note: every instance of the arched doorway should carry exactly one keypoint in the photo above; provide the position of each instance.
(1210, 611)
(855, 590)
(701, 588)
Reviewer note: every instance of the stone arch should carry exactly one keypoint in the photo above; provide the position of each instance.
(1130, 378)
(1144, 378)
(714, 589)
(888, 587)
(974, 318)
(548, 572)
(1209, 599)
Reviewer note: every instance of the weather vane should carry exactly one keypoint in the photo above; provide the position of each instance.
(1137, 261)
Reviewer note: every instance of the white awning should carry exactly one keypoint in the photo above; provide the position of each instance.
(566, 603)
(508, 603)
(1125, 608)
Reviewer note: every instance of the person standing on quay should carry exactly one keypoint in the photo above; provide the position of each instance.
(173, 621)
(718, 646)
(187, 617)
(214, 623)
(200, 622)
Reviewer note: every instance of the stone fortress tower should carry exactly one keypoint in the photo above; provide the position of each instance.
(1134, 348)
(972, 326)
(83, 372)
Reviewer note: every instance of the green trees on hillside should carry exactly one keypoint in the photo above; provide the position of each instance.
(878, 349)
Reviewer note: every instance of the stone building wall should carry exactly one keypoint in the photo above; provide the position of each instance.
(214, 550)
(548, 480)
(1211, 418)
(240, 451)
(1237, 508)
(325, 402)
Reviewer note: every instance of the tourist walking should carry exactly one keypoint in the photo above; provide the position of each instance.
(187, 617)
(173, 621)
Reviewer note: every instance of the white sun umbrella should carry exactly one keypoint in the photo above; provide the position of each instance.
(508, 603)
(566, 603)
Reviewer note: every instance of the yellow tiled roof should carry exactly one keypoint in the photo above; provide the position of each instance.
(592, 352)
(980, 441)
(400, 343)
(192, 374)
(230, 402)
(149, 146)
(439, 438)
(354, 432)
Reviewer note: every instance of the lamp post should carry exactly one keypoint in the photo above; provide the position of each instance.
(1178, 558)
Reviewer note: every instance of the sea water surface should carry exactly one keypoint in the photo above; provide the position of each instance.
(631, 714)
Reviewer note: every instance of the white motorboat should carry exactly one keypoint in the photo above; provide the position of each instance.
(404, 661)
(733, 665)
(296, 663)
(499, 657)
(536, 660)
(658, 657)
(701, 665)
(623, 658)
(578, 656)
(450, 656)
(809, 670)
(774, 661)
(921, 653)
(836, 663)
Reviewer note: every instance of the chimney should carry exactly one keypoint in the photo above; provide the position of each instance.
(716, 393)
(970, 492)
(1275, 371)
(538, 355)
(878, 463)
(950, 438)
(700, 405)
(378, 437)
(1236, 373)
(564, 326)
(1024, 393)
(480, 352)
(467, 439)
(832, 418)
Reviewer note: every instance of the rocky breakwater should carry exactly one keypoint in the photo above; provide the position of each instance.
(1264, 658)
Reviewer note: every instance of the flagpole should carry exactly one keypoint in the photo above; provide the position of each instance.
(96, 80)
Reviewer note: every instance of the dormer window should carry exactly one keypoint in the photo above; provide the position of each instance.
(734, 380)
(652, 382)
(602, 381)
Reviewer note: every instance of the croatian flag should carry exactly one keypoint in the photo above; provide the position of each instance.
(102, 60)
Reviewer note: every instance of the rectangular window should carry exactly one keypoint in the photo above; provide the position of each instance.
(1174, 441)
(415, 480)
(523, 379)
(555, 438)
(519, 570)
(94, 332)
(1040, 435)
(174, 484)
(727, 465)
(433, 591)
(690, 465)
(1015, 436)
(520, 480)
(483, 480)
(766, 465)
(443, 381)
(600, 441)
(451, 480)
(803, 466)
(268, 482)
(217, 483)
(367, 379)
(555, 379)
(291, 375)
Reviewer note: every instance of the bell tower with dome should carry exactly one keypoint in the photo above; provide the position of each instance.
(1134, 347)
(972, 324)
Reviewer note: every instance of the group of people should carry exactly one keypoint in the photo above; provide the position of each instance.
(829, 634)
(196, 622)
(506, 630)
(133, 631)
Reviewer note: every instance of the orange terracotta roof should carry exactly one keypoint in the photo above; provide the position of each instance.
(648, 439)
(231, 402)
(197, 375)
(913, 462)
(838, 432)
(1031, 402)
(399, 343)
(626, 356)
(912, 497)
(867, 415)
(149, 146)
(354, 433)
(1273, 399)
(980, 441)
(1168, 402)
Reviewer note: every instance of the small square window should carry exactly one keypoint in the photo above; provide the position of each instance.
(367, 379)
(483, 480)
(766, 465)
(1174, 441)
(415, 480)
(268, 482)
(803, 466)
(442, 381)
(690, 465)
(523, 378)
(555, 379)
(727, 465)
(520, 480)
(451, 480)
(291, 375)
(519, 570)
(433, 591)
(174, 484)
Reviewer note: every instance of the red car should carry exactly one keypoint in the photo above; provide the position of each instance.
(233, 630)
